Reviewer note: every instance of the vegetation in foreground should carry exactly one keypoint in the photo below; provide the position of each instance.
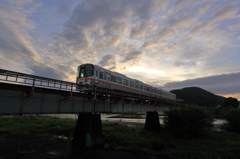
(189, 122)
(120, 137)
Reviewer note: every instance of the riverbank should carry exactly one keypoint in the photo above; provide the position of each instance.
(50, 137)
(126, 119)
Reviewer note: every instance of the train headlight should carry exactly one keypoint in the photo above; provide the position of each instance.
(96, 82)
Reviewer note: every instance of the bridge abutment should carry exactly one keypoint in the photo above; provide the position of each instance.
(152, 122)
(88, 132)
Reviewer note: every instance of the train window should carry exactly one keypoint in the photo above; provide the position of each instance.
(125, 82)
(89, 70)
(141, 87)
(78, 69)
(82, 72)
(108, 77)
(113, 78)
(145, 88)
(96, 73)
(131, 84)
(105, 76)
(148, 89)
(137, 85)
(101, 75)
(119, 80)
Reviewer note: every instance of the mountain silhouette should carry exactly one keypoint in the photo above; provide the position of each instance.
(198, 96)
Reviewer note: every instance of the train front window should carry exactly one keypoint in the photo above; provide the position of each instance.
(82, 72)
(89, 70)
(78, 72)
(86, 71)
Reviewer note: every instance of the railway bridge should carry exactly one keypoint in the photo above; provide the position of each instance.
(22, 93)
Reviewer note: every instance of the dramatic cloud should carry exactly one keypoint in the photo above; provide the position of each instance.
(127, 49)
(108, 61)
(45, 71)
(228, 12)
(133, 56)
(150, 44)
(153, 41)
(171, 47)
(15, 42)
(141, 31)
(106, 19)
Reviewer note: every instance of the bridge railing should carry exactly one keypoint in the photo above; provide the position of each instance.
(43, 82)
(32, 80)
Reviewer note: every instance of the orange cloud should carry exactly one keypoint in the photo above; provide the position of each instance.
(237, 95)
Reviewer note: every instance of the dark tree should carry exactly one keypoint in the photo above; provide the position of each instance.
(230, 102)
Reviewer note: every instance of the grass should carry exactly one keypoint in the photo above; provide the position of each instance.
(217, 144)
(37, 125)
(214, 145)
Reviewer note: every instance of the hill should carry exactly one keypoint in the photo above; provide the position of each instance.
(198, 96)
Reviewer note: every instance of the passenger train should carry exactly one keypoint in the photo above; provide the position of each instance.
(89, 75)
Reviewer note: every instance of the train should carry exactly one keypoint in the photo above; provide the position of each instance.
(90, 76)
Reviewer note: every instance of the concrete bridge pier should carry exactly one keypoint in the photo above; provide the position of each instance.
(152, 122)
(88, 132)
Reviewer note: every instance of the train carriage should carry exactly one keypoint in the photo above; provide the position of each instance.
(89, 76)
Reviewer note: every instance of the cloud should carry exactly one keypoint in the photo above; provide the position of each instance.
(108, 61)
(228, 12)
(114, 41)
(237, 96)
(204, 9)
(64, 7)
(177, 22)
(150, 44)
(133, 56)
(46, 71)
(171, 47)
(100, 24)
(126, 50)
(90, 57)
(141, 31)
(6, 61)
(16, 15)
(178, 5)
(114, 26)
(100, 45)
(238, 38)
(165, 33)
(173, 27)
(234, 27)
(199, 26)
(15, 43)
(55, 68)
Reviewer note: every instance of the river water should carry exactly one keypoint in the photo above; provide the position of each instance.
(113, 118)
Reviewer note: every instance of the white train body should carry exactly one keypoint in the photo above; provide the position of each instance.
(90, 75)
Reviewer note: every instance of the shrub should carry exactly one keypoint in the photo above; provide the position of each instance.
(189, 122)
(232, 117)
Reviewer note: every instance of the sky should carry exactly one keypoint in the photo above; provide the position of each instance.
(169, 44)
